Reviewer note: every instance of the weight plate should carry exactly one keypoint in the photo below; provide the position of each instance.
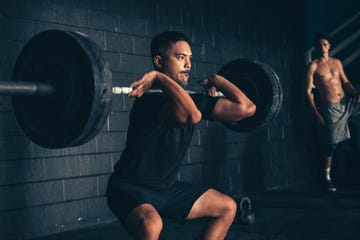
(78, 109)
(261, 84)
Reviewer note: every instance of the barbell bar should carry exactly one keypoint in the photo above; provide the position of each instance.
(62, 89)
(40, 89)
(25, 88)
(127, 90)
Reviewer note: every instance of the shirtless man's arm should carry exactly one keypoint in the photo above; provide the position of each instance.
(347, 84)
(309, 88)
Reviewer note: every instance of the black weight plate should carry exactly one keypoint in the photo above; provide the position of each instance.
(78, 109)
(261, 84)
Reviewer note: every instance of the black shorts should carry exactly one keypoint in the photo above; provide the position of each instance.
(174, 203)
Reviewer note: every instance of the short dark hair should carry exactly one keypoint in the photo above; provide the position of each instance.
(162, 42)
(320, 36)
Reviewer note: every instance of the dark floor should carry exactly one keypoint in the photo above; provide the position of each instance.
(295, 213)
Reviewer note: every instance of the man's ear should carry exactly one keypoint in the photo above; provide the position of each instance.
(158, 61)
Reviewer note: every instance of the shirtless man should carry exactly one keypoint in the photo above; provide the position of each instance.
(335, 108)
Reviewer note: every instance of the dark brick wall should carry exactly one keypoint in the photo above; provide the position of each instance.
(44, 191)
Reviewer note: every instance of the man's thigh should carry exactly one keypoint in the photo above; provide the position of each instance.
(174, 203)
(179, 199)
(210, 204)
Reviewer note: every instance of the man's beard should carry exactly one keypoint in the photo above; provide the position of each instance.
(182, 84)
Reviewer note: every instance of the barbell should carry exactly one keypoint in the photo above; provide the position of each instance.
(62, 89)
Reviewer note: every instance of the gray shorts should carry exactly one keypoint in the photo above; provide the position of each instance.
(336, 116)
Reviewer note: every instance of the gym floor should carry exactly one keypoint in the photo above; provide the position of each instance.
(295, 213)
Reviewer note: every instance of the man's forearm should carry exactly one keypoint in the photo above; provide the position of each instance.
(313, 107)
(351, 90)
(231, 91)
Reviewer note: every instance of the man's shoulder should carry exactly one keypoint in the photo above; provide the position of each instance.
(336, 60)
(313, 64)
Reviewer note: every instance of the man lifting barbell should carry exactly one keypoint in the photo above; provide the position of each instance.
(61, 94)
(62, 89)
(143, 188)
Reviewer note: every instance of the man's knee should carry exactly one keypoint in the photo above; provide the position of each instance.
(151, 227)
(144, 222)
(230, 206)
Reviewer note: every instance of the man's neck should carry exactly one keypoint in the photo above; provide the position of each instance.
(324, 57)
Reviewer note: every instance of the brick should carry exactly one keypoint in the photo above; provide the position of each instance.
(190, 173)
(119, 121)
(228, 175)
(198, 51)
(103, 20)
(20, 171)
(211, 136)
(6, 73)
(202, 69)
(9, 124)
(119, 43)
(71, 16)
(10, 50)
(9, 152)
(15, 220)
(210, 174)
(198, 154)
(108, 142)
(95, 35)
(43, 193)
(115, 61)
(57, 216)
(44, 26)
(117, 103)
(154, 28)
(213, 55)
(124, 79)
(7, 8)
(146, 8)
(201, 37)
(128, 103)
(135, 26)
(95, 164)
(122, 8)
(36, 10)
(229, 55)
(61, 167)
(92, 4)
(142, 46)
(85, 148)
(187, 31)
(102, 183)
(168, 12)
(5, 105)
(136, 64)
(12, 197)
(79, 188)
(209, 23)
(94, 209)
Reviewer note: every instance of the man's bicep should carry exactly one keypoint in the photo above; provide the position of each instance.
(225, 111)
(310, 79)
